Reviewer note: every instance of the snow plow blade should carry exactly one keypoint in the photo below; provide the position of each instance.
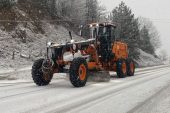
(101, 76)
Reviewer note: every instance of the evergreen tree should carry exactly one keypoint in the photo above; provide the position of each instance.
(153, 32)
(7, 3)
(91, 11)
(145, 43)
(127, 27)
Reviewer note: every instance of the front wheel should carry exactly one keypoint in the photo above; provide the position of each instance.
(37, 74)
(78, 72)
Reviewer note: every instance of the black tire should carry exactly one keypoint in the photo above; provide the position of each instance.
(130, 67)
(119, 67)
(37, 74)
(75, 78)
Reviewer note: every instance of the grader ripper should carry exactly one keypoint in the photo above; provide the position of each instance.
(101, 52)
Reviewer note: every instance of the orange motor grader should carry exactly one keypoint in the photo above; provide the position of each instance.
(100, 52)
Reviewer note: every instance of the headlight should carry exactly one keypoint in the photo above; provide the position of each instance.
(72, 41)
(91, 25)
(49, 44)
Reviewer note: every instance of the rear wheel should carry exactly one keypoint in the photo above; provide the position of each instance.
(130, 67)
(121, 68)
(37, 74)
(78, 72)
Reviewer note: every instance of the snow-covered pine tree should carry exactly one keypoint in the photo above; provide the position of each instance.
(7, 3)
(127, 27)
(91, 11)
(152, 30)
(145, 42)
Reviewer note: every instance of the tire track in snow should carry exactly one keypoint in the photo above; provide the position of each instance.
(33, 89)
(66, 105)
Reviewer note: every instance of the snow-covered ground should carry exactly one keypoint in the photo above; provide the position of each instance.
(35, 46)
(147, 91)
(27, 38)
(146, 59)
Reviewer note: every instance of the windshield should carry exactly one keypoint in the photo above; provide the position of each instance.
(89, 32)
(105, 31)
(93, 32)
(85, 32)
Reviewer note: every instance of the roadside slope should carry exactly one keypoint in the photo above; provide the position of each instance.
(147, 60)
(24, 31)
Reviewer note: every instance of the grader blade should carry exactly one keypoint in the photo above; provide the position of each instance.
(101, 76)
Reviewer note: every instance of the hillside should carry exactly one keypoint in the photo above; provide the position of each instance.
(146, 59)
(24, 31)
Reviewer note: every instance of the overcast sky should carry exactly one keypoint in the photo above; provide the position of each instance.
(157, 11)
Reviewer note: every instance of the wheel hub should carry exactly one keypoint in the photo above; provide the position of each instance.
(82, 72)
(132, 67)
(124, 67)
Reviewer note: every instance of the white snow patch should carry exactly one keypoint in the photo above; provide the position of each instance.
(146, 59)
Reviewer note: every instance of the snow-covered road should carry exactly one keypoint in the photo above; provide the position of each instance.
(147, 92)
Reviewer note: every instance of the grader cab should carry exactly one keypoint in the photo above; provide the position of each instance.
(99, 53)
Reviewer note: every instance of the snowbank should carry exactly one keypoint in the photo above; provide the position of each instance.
(146, 59)
(35, 45)
(24, 40)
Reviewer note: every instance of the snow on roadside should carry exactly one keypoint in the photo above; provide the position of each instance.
(146, 60)
(35, 45)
